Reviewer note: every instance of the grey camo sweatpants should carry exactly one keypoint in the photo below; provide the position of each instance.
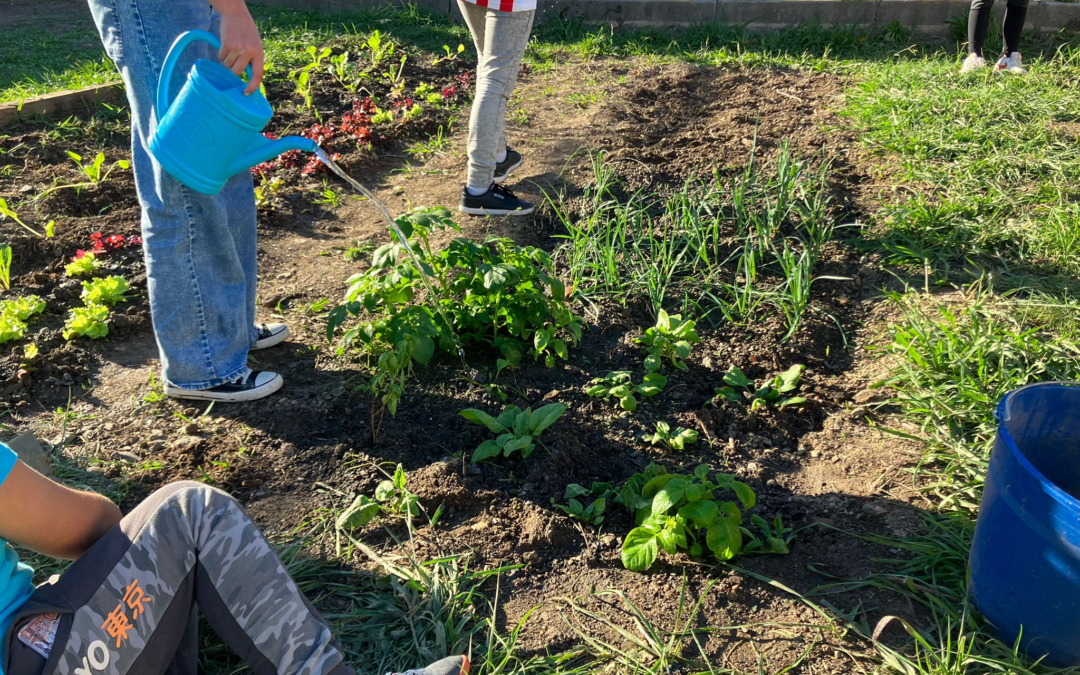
(129, 605)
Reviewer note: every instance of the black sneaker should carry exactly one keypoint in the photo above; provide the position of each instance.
(506, 167)
(270, 334)
(253, 386)
(497, 201)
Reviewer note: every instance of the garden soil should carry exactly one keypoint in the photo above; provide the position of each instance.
(825, 467)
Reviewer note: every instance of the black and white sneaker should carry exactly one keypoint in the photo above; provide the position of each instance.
(270, 334)
(497, 201)
(253, 386)
(506, 167)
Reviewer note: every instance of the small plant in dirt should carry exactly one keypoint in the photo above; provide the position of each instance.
(676, 512)
(776, 390)
(96, 171)
(100, 243)
(494, 293)
(391, 496)
(679, 439)
(7, 212)
(107, 291)
(451, 55)
(302, 80)
(82, 263)
(518, 430)
(347, 73)
(776, 538)
(671, 338)
(586, 504)
(378, 48)
(91, 321)
(619, 385)
(14, 315)
(5, 266)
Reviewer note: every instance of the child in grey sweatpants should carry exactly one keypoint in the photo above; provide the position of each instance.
(129, 604)
(500, 30)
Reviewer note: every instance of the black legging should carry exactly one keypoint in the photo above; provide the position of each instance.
(1011, 27)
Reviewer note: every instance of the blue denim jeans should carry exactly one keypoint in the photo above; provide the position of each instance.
(200, 249)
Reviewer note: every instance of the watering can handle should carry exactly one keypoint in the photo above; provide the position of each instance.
(173, 56)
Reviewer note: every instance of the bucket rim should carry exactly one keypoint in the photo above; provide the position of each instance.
(253, 114)
(1003, 414)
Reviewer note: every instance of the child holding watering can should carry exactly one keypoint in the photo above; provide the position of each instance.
(500, 30)
(200, 249)
(127, 605)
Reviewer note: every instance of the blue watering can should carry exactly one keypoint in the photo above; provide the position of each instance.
(212, 131)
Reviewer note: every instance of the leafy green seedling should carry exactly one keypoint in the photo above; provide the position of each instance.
(91, 321)
(593, 514)
(107, 291)
(5, 266)
(391, 496)
(87, 264)
(740, 387)
(6, 212)
(450, 55)
(23, 308)
(95, 171)
(674, 440)
(676, 512)
(670, 338)
(517, 429)
(777, 537)
(14, 315)
(619, 385)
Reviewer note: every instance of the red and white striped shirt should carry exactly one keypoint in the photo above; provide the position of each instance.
(505, 5)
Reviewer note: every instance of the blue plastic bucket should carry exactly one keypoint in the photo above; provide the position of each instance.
(1025, 558)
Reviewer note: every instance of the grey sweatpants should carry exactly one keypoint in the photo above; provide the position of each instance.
(129, 604)
(500, 39)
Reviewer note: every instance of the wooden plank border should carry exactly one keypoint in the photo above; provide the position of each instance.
(61, 101)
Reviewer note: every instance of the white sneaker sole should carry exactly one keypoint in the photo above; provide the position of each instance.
(495, 212)
(237, 397)
(272, 341)
(499, 180)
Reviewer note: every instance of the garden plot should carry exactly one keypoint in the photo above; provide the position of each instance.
(689, 294)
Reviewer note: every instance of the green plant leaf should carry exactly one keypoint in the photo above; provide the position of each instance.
(669, 495)
(794, 400)
(649, 490)
(745, 494)
(545, 417)
(790, 378)
(652, 363)
(628, 403)
(480, 417)
(486, 450)
(385, 491)
(597, 391)
(724, 539)
(518, 443)
(701, 513)
(639, 550)
(737, 378)
(360, 513)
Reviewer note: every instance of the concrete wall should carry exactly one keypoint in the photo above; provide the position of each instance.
(926, 16)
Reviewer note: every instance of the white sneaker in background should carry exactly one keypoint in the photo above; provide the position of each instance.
(972, 63)
(1011, 64)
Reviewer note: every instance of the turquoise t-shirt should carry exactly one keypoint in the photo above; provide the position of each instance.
(16, 579)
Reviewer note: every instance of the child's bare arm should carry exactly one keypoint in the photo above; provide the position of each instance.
(49, 518)
(240, 41)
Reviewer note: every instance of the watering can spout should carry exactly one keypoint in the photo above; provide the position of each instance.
(263, 149)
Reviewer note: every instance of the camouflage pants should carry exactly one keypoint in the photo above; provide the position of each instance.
(129, 604)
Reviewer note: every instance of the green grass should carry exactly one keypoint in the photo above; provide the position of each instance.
(35, 61)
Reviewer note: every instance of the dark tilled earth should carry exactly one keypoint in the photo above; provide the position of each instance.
(822, 467)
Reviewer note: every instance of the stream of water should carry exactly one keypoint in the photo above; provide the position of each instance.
(404, 243)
